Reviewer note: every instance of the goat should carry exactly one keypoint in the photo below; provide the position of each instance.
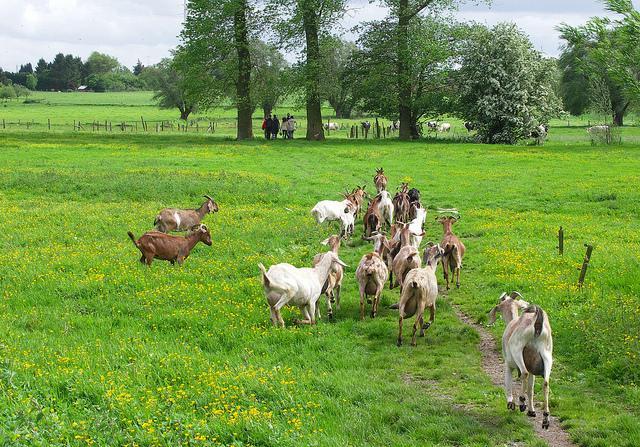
(380, 180)
(158, 245)
(331, 210)
(173, 219)
(598, 130)
(453, 250)
(371, 274)
(331, 126)
(404, 259)
(444, 127)
(284, 284)
(469, 126)
(414, 195)
(401, 203)
(527, 345)
(334, 282)
(372, 219)
(432, 125)
(420, 291)
(356, 197)
(385, 208)
(540, 133)
(415, 226)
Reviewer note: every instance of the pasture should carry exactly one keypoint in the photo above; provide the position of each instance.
(96, 349)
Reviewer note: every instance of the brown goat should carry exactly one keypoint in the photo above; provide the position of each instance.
(173, 219)
(356, 196)
(157, 245)
(380, 180)
(334, 280)
(401, 204)
(453, 250)
(372, 219)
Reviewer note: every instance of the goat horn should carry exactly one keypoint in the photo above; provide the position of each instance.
(208, 197)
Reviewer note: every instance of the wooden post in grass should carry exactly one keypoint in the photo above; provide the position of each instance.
(585, 264)
(49, 123)
(561, 241)
(4, 125)
(74, 124)
(377, 129)
(356, 132)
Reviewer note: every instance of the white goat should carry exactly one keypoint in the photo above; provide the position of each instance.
(598, 130)
(331, 210)
(527, 346)
(444, 127)
(385, 207)
(285, 284)
(331, 126)
(415, 227)
(420, 291)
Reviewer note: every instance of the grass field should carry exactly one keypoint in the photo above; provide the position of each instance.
(96, 349)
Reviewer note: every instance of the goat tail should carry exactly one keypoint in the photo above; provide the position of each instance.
(265, 279)
(537, 326)
(133, 238)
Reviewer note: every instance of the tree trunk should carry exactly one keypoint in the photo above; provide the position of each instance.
(618, 115)
(243, 84)
(184, 113)
(404, 81)
(266, 109)
(312, 71)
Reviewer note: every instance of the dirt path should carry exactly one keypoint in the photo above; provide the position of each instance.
(493, 365)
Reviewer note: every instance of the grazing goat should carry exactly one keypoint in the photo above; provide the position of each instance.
(432, 125)
(173, 219)
(453, 250)
(334, 282)
(158, 245)
(401, 204)
(444, 127)
(285, 284)
(527, 346)
(371, 274)
(598, 130)
(419, 292)
(331, 126)
(469, 126)
(331, 210)
(380, 180)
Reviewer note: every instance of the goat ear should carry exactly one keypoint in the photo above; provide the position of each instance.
(326, 241)
(492, 315)
(522, 304)
(339, 261)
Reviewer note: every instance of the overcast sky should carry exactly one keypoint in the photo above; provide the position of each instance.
(148, 29)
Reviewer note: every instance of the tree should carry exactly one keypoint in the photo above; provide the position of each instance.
(99, 63)
(137, 69)
(306, 21)
(433, 47)
(31, 82)
(173, 90)
(270, 76)
(27, 68)
(7, 92)
(334, 85)
(215, 55)
(574, 83)
(506, 86)
(589, 45)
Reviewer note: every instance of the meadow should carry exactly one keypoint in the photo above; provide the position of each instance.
(96, 349)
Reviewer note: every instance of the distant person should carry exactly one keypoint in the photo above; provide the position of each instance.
(275, 127)
(268, 123)
(291, 124)
(283, 128)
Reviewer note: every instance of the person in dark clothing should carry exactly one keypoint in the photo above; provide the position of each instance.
(275, 127)
(268, 124)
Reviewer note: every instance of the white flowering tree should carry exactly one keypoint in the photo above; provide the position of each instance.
(506, 86)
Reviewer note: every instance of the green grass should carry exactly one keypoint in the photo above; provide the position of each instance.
(95, 348)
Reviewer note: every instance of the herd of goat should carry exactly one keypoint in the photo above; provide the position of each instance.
(527, 342)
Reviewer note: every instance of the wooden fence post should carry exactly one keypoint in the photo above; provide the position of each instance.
(561, 241)
(585, 264)
(49, 123)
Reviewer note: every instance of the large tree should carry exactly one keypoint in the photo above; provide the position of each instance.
(433, 53)
(335, 84)
(173, 91)
(506, 87)
(306, 22)
(270, 76)
(216, 49)
(588, 68)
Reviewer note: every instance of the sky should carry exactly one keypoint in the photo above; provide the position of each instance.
(148, 29)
